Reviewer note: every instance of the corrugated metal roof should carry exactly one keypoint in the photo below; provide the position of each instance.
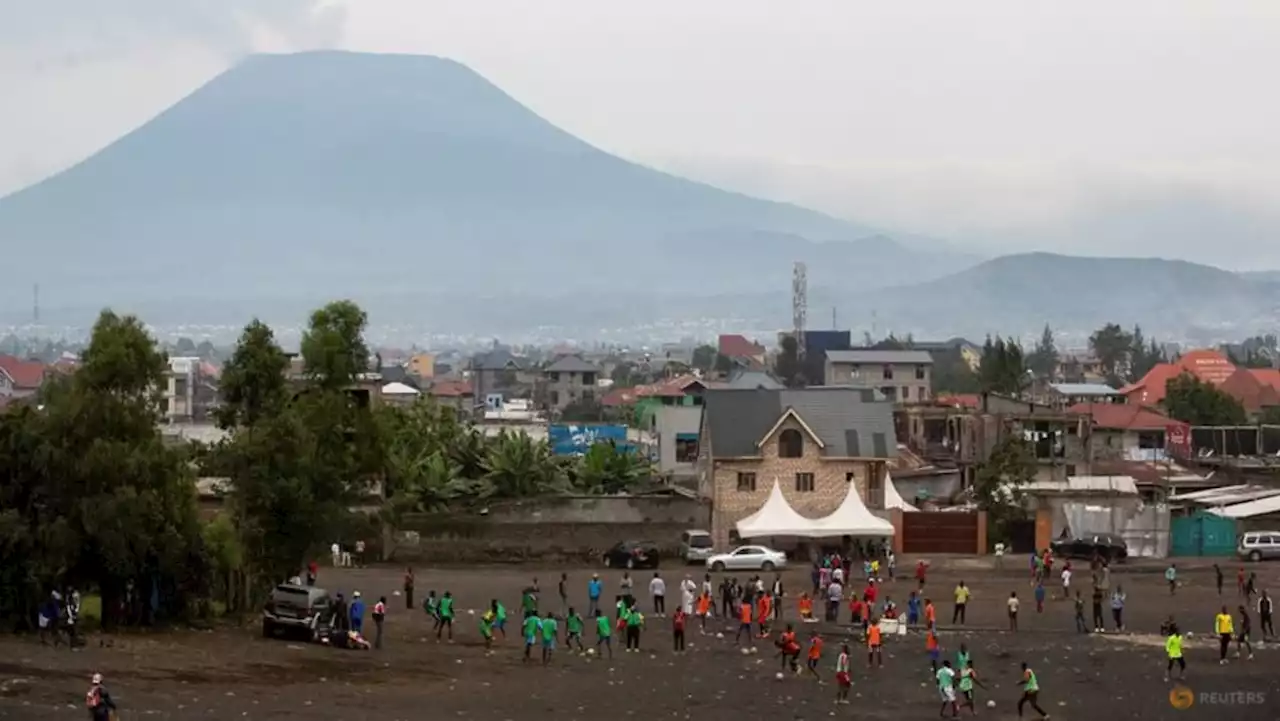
(1261, 507)
(1117, 485)
(849, 421)
(1228, 495)
(571, 364)
(1084, 389)
(872, 357)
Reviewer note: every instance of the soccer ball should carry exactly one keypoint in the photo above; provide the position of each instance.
(719, 635)
(591, 652)
(746, 652)
(991, 704)
(779, 676)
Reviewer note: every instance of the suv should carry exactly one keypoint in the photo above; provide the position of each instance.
(1257, 545)
(1108, 546)
(695, 546)
(301, 610)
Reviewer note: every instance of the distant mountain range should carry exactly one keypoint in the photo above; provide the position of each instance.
(415, 186)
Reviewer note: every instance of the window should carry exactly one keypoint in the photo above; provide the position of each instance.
(889, 392)
(555, 377)
(804, 482)
(588, 395)
(588, 379)
(1071, 469)
(746, 481)
(555, 398)
(790, 444)
(888, 372)
(920, 372)
(906, 393)
(686, 447)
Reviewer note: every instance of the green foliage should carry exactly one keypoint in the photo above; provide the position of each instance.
(1198, 403)
(606, 469)
(953, 374)
(1112, 345)
(333, 348)
(1003, 369)
(1043, 361)
(998, 483)
(92, 496)
(253, 382)
(788, 366)
(1270, 416)
(704, 358)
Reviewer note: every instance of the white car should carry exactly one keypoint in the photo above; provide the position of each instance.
(748, 558)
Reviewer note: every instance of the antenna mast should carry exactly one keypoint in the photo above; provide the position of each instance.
(799, 304)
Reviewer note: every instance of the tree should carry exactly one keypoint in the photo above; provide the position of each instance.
(1003, 368)
(1198, 403)
(623, 375)
(1143, 356)
(519, 466)
(723, 365)
(253, 383)
(953, 374)
(1112, 345)
(605, 468)
(1043, 360)
(583, 410)
(704, 357)
(1270, 416)
(998, 483)
(333, 349)
(788, 365)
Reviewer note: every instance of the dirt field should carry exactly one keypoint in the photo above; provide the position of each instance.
(232, 673)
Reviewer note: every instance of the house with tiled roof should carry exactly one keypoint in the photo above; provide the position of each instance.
(1122, 431)
(570, 379)
(737, 348)
(813, 441)
(1209, 366)
(1256, 388)
(20, 378)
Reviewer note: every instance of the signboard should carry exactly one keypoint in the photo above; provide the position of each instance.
(574, 440)
(1177, 439)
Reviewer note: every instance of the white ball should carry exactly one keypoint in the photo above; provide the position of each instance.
(471, 612)
(1189, 634)
(779, 676)
(991, 704)
(746, 652)
(719, 635)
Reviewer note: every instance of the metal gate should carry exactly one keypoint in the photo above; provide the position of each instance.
(939, 532)
(1203, 534)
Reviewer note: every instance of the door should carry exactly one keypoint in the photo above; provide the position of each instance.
(745, 559)
(1203, 534)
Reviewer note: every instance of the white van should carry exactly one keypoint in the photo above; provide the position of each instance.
(1259, 545)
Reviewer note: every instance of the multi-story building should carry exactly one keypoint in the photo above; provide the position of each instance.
(188, 393)
(813, 441)
(569, 379)
(903, 376)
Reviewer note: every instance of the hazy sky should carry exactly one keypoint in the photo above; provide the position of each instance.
(1000, 121)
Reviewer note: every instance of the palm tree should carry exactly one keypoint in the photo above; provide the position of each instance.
(519, 466)
(606, 469)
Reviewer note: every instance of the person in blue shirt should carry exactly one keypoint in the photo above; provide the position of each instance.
(594, 587)
(913, 609)
(357, 613)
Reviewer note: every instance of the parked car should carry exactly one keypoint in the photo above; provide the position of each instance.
(297, 610)
(632, 554)
(748, 558)
(695, 546)
(1108, 546)
(1259, 545)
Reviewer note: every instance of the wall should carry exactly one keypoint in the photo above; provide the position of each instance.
(1144, 528)
(830, 484)
(564, 387)
(576, 528)
(906, 386)
(669, 421)
(939, 532)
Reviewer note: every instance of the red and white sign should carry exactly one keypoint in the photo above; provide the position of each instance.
(1177, 439)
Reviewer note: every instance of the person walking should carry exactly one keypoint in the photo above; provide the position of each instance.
(1217, 577)
(98, 701)
(1171, 578)
(1242, 636)
(1012, 603)
(594, 588)
(1265, 609)
(408, 588)
(379, 615)
(1117, 607)
(1030, 692)
(658, 591)
(1225, 628)
(1173, 649)
(1081, 626)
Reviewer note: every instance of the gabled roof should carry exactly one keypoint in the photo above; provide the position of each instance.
(1252, 387)
(571, 364)
(852, 422)
(791, 414)
(496, 360)
(1123, 416)
(737, 346)
(1209, 366)
(450, 389)
(874, 357)
(23, 373)
(749, 379)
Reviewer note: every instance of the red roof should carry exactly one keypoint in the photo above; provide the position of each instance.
(1209, 366)
(960, 400)
(451, 389)
(667, 388)
(1123, 417)
(1253, 388)
(737, 346)
(25, 373)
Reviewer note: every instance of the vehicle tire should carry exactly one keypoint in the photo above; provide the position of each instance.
(767, 566)
(717, 567)
(631, 564)
(1255, 556)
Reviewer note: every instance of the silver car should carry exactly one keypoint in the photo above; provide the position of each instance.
(748, 558)
(695, 546)
(1257, 545)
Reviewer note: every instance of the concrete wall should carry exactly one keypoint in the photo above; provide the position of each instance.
(569, 528)
(669, 421)
(906, 386)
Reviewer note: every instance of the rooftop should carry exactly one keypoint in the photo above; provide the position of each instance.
(737, 346)
(1123, 416)
(851, 422)
(1084, 389)
(571, 363)
(873, 357)
(25, 373)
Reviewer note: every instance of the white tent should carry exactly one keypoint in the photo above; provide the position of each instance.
(893, 499)
(852, 519)
(399, 389)
(777, 518)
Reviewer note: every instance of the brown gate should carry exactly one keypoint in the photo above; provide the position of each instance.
(939, 532)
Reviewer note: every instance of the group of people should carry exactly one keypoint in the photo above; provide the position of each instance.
(59, 618)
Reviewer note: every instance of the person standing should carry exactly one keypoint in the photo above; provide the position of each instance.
(890, 563)
(1099, 625)
(549, 628)
(604, 632)
(1171, 578)
(835, 594)
(658, 591)
(626, 584)
(408, 587)
(1265, 609)
(1173, 649)
(677, 629)
(357, 613)
(962, 601)
(1030, 692)
(687, 590)
(446, 615)
(1117, 607)
(1081, 626)
(379, 615)
(360, 554)
(563, 589)
(777, 593)
(1066, 580)
(98, 700)
(843, 682)
(336, 551)
(875, 651)
(635, 622)
(1224, 627)
(1217, 577)
(1242, 636)
(1012, 603)
(594, 588)
(313, 571)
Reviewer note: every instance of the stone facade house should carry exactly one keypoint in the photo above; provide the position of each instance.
(813, 441)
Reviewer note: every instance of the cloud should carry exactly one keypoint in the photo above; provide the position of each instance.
(58, 35)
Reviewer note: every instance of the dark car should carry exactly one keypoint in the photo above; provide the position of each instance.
(632, 554)
(1107, 546)
(302, 611)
